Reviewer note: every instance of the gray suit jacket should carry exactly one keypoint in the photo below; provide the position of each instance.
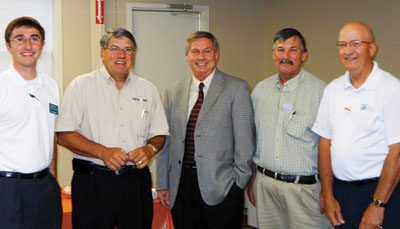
(224, 138)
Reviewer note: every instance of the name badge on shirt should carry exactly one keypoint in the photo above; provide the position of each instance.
(53, 108)
(287, 108)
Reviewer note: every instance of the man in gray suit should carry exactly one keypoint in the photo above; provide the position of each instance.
(206, 163)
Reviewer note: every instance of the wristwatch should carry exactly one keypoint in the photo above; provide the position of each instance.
(378, 203)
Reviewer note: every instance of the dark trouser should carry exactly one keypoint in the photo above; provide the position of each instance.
(190, 211)
(106, 200)
(354, 200)
(30, 203)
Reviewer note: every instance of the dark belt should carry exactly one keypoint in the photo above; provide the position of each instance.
(288, 178)
(33, 176)
(357, 183)
(88, 167)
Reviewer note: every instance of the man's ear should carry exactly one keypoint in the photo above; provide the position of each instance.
(304, 56)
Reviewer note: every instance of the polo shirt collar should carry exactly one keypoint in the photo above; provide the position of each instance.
(20, 81)
(292, 84)
(371, 82)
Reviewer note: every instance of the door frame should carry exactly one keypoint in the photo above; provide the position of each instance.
(202, 10)
(203, 17)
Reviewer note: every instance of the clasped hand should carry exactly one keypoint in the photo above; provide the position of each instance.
(115, 158)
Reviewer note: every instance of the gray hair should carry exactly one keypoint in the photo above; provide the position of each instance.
(116, 33)
(202, 34)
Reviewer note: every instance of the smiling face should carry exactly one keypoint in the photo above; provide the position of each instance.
(25, 47)
(117, 62)
(288, 56)
(358, 61)
(202, 58)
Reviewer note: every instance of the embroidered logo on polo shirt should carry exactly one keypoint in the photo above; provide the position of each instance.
(53, 108)
(366, 107)
(363, 106)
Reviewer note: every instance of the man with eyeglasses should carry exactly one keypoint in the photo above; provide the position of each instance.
(285, 161)
(114, 123)
(359, 151)
(29, 192)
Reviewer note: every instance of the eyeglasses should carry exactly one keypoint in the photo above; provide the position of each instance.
(116, 49)
(352, 43)
(20, 40)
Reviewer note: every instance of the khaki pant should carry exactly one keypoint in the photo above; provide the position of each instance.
(282, 205)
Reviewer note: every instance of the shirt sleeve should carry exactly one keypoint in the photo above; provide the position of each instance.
(71, 112)
(322, 125)
(158, 123)
(391, 117)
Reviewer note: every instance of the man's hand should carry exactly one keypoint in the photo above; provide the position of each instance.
(163, 195)
(372, 218)
(250, 193)
(113, 158)
(321, 203)
(141, 156)
(332, 211)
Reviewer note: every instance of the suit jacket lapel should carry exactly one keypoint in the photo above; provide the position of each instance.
(212, 94)
(183, 100)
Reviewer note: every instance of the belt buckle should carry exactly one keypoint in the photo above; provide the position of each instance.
(122, 170)
(35, 176)
(282, 177)
(91, 168)
(9, 175)
(40, 174)
(276, 175)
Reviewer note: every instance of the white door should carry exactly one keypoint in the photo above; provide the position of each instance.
(161, 35)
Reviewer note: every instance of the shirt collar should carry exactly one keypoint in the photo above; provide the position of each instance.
(291, 84)
(20, 81)
(206, 82)
(370, 83)
(109, 79)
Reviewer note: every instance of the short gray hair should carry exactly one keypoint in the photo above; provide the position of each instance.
(202, 34)
(116, 33)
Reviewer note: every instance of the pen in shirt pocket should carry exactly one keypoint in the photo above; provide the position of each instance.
(144, 112)
(143, 104)
(292, 114)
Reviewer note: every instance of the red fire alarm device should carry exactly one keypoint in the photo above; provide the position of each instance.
(99, 11)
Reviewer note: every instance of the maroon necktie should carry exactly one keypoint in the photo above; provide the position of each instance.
(188, 158)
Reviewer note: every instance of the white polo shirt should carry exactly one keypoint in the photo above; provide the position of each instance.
(94, 107)
(361, 123)
(28, 110)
